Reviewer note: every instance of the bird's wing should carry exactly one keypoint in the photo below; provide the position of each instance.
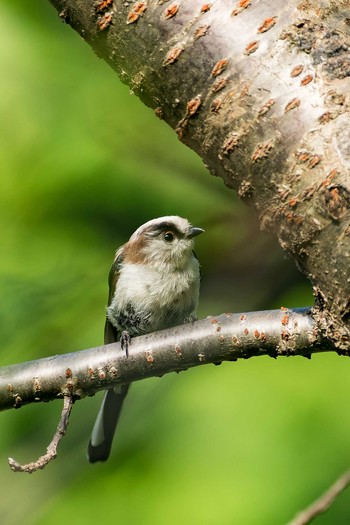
(104, 428)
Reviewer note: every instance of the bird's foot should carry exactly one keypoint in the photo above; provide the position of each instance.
(125, 341)
(191, 319)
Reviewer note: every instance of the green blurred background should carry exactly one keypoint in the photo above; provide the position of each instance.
(83, 163)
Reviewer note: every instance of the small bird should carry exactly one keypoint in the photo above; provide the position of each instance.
(153, 284)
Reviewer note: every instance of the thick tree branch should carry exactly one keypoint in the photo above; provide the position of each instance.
(260, 90)
(227, 337)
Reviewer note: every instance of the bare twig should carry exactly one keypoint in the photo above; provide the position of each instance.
(51, 451)
(322, 504)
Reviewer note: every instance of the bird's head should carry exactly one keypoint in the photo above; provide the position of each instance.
(163, 242)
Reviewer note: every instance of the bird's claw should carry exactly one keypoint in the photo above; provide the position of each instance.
(191, 319)
(125, 341)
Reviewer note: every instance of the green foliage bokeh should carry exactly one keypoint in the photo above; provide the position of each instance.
(83, 163)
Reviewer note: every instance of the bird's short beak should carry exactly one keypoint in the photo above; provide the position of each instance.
(193, 232)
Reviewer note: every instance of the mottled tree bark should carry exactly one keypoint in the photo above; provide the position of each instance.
(261, 91)
(227, 337)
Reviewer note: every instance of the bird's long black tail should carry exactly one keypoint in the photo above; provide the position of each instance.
(105, 424)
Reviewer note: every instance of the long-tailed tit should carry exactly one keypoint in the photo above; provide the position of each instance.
(153, 285)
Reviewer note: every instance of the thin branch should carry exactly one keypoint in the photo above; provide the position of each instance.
(51, 451)
(227, 337)
(322, 504)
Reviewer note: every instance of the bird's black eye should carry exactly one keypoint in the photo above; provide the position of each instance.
(168, 236)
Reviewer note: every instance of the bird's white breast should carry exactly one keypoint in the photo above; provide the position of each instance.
(159, 298)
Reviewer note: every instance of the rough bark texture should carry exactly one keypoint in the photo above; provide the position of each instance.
(261, 91)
